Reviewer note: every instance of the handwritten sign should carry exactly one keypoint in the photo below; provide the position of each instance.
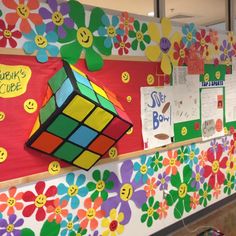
(13, 80)
(156, 116)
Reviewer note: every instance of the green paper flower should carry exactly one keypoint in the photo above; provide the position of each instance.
(100, 185)
(141, 39)
(83, 38)
(205, 195)
(229, 184)
(183, 154)
(150, 210)
(157, 162)
(181, 194)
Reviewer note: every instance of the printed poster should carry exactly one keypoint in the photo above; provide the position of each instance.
(156, 116)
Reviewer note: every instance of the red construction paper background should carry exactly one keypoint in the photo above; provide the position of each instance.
(17, 125)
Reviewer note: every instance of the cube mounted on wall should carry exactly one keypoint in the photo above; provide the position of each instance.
(79, 120)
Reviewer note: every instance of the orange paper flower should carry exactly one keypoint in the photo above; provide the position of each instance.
(171, 162)
(23, 12)
(150, 187)
(126, 22)
(162, 210)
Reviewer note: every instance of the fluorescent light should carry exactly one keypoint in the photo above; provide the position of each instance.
(151, 13)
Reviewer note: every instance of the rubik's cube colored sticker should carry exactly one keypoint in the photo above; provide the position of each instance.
(79, 120)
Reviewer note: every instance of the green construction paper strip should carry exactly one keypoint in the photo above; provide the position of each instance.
(191, 131)
(50, 228)
(99, 44)
(27, 232)
(56, 81)
(47, 110)
(94, 61)
(87, 92)
(96, 19)
(216, 73)
(77, 13)
(106, 104)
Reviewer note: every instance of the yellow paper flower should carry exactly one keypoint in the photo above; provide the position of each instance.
(163, 48)
(231, 165)
(113, 225)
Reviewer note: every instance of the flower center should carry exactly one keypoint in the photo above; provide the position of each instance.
(139, 36)
(203, 42)
(163, 180)
(165, 45)
(7, 33)
(205, 194)
(11, 202)
(57, 18)
(143, 169)
(126, 192)
(151, 187)
(22, 11)
(122, 44)
(172, 161)
(198, 176)
(182, 53)
(40, 200)
(111, 31)
(229, 184)
(191, 155)
(40, 41)
(84, 37)
(225, 52)
(126, 23)
(58, 210)
(70, 225)
(182, 190)
(150, 211)
(189, 36)
(10, 228)
(73, 190)
(113, 225)
(215, 166)
(156, 161)
(100, 185)
(91, 213)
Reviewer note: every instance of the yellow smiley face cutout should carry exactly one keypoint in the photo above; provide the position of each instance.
(150, 79)
(100, 185)
(126, 192)
(73, 190)
(129, 98)
(217, 74)
(11, 202)
(30, 105)
(113, 153)
(143, 169)
(91, 213)
(3, 154)
(54, 168)
(125, 77)
(40, 200)
(206, 77)
(23, 11)
(184, 131)
(57, 18)
(182, 192)
(84, 37)
(40, 41)
(2, 115)
(7, 33)
(111, 31)
(139, 36)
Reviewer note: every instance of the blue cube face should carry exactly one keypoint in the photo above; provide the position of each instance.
(82, 80)
(83, 136)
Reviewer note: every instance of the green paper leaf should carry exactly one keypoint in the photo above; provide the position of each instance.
(179, 209)
(144, 207)
(172, 197)
(151, 201)
(104, 195)
(134, 44)
(93, 60)
(94, 195)
(98, 42)
(156, 205)
(187, 173)
(96, 19)
(144, 218)
(187, 203)
(136, 25)
(109, 185)
(50, 228)
(27, 232)
(146, 38)
(91, 186)
(175, 180)
(142, 46)
(149, 222)
(132, 34)
(106, 175)
(77, 13)
(155, 215)
(97, 175)
(144, 28)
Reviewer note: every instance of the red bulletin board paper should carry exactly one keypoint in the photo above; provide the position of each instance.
(17, 125)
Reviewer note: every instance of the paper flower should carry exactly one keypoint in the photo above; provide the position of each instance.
(205, 195)
(229, 184)
(73, 189)
(183, 154)
(171, 163)
(231, 165)
(11, 227)
(83, 38)
(101, 185)
(91, 214)
(122, 45)
(198, 177)
(95, 233)
(113, 223)
(162, 210)
(110, 30)
(192, 157)
(214, 37)
(232, 147)
(226, 50)
(150, 211)
(40, 41)
(213, 145)
(126, 192)
(180, 54)
(182, 193)
(150, 187)
(140, 35)
(70, 225)
(80, 232)
(164, 43)
(202, 158)
(189, 31)
(194, 200)
(126, 22)
(12, 201)
(157, 161)
(8, 34)
(213, 169)
(231, 37)
(143, 169)
(225, 143)
(203, 39)
(163, 181)
(24, 11)
(217, 191)
(39, 201)
(57, 18)
(57, 211)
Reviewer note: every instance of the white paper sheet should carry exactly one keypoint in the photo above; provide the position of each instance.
(179, 75)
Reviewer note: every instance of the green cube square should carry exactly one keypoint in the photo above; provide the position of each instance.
(107, 104)
(62, 126)
(87, 92)
(48, 109)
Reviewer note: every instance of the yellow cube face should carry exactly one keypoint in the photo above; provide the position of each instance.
(99, 90)
(99, 119)
(86, 160)
(78, 108)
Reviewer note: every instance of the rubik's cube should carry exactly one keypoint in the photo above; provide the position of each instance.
(79, 120)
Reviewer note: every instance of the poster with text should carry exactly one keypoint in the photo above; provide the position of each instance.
(156, 116)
